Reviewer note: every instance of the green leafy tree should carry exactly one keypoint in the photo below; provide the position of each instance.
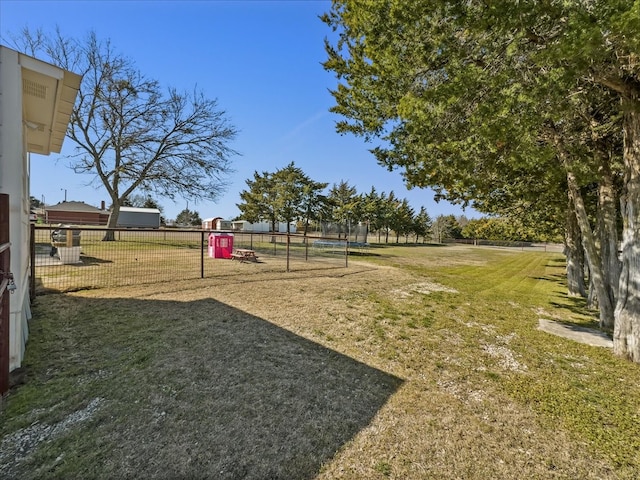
(189, 218)
(286, 195)
(35, 203)
(371, 211)
(497, 229)
(259, 200)
(422, 224)
(402, 220)
(130, 133)
(344, 202)
(314, 202)
(289, 183)
(389, 207)
(470, 99)
(446, 227)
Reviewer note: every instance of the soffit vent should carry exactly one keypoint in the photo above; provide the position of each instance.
(35, 89)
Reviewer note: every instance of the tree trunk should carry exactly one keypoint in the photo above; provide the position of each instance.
(273, 230)
(306, 229)
(588, 241)
(575, 255)
(592, 298)
(608, 231)
(626, 335)
(109, 235)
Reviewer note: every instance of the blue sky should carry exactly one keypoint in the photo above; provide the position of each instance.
(261, 59)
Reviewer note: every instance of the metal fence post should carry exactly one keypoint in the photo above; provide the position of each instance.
(288, 242)
(346, 253)
(202, 254)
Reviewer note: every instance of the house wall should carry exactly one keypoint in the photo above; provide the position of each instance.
(210, 223)
(76, 218)
(207, 224)
(14, 180)
(223, 224)
(244, 226)
(47, 99)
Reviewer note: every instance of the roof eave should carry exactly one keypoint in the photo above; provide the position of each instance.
(48, 97)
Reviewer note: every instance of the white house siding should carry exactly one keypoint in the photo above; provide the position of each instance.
(14, 180)
(15, 168)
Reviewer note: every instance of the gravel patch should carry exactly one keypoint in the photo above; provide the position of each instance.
(18, 446)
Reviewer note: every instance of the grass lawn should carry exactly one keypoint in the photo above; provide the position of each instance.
(415, 362)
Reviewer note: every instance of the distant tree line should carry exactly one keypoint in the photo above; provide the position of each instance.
(290, 196)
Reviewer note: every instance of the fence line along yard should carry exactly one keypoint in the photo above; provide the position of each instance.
(75, 258)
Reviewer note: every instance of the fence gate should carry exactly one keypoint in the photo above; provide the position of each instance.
(5, 281)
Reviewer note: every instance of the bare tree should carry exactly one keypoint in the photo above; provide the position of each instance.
(133, 135)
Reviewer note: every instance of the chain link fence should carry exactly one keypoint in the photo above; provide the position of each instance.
(77, 258)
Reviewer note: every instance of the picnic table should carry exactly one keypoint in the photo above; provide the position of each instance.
(244, 255)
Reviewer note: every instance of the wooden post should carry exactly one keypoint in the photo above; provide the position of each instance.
(5, 310)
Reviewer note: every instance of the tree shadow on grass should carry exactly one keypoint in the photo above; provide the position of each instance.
(558, 279)
(88, 260)
(576, 305)
(192, 390)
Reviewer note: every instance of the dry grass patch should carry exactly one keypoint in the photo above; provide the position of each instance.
(375, 371)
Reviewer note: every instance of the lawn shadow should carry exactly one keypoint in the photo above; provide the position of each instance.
(558, 279)
(203, 390)
(577, 306)
(409, 245)
(88, 260)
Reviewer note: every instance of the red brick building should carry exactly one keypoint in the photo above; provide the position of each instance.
(76, 213)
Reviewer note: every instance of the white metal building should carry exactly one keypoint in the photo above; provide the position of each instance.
(244, 226)
(137, 217)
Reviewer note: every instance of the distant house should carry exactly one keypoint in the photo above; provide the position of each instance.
(77, 213)
(244, 226)
(36, 101)
(210, 223)
(216, 223)
(223, 224)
